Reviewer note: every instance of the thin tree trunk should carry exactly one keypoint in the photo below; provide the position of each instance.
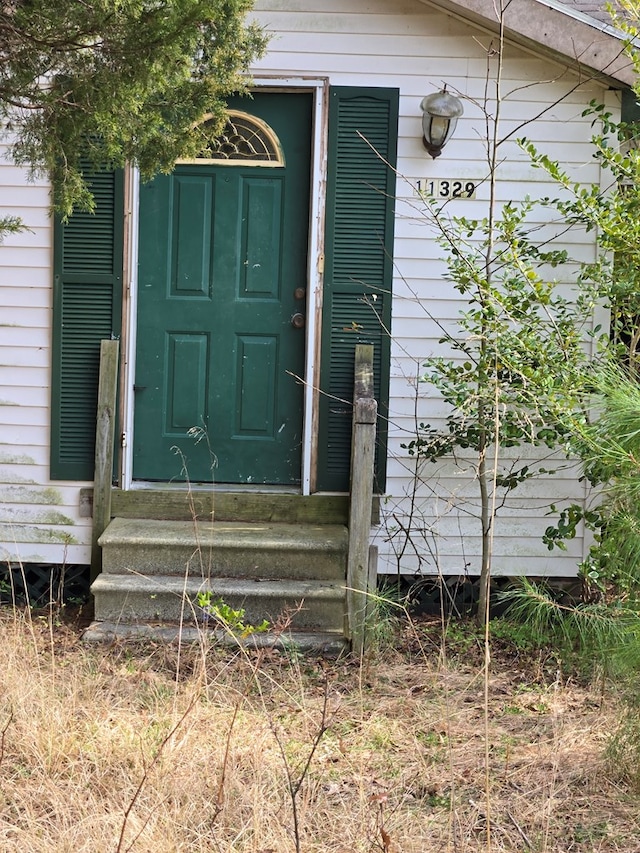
(485, 517)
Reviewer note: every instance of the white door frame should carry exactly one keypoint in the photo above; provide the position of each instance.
(319, 87)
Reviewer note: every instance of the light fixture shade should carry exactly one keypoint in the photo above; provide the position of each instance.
(441, 112)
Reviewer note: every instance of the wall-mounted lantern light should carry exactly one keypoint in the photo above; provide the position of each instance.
(440, 114)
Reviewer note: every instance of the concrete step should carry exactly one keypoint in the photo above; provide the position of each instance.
(325, 643)
(134, 599)
(224, 549)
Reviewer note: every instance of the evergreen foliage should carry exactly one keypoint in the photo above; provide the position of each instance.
(111, 81)
(600, 632)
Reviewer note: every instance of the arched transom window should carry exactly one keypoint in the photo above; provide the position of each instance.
(245, 139)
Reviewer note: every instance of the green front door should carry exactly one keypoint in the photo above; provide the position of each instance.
(221, 302)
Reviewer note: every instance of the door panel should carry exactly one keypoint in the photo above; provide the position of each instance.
(186, 358)
(256, 386)
(261, 238)
(191, 243)
(222, 250)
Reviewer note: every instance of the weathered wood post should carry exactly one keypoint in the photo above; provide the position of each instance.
(105, 440)
(363, 442)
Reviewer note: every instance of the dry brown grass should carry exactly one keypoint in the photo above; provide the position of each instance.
(149, 749)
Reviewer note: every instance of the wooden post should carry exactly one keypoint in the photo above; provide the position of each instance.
(363, 442)
(105, 440)
(372, 580)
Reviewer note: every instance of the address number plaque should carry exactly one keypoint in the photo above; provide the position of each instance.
(446, 188)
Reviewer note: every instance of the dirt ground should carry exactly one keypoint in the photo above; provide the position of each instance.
(149, 748)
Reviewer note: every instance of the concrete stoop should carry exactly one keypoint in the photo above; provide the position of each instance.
(326, 643)
(153, 571)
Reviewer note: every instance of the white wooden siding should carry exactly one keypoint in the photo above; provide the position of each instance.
(402, 44)
(39, 519)
(412, 47)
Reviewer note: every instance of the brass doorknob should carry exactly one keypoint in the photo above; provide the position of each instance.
(297, 321)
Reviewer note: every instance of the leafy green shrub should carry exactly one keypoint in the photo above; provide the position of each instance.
(228, 618)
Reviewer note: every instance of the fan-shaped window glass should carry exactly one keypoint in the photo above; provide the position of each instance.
(245, 139)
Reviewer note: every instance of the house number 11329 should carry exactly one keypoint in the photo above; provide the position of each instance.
(447, 188)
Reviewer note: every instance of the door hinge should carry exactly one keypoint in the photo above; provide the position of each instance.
(123, 439)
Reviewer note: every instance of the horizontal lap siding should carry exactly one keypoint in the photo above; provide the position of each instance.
(39, 520)
(389, 43)
(410, 46)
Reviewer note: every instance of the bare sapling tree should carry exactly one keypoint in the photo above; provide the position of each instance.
(516, 358)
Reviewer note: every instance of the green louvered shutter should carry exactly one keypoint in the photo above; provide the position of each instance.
(363, 130)
(87, 307)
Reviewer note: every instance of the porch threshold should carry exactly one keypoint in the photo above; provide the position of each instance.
(215, 488)
(328, 644)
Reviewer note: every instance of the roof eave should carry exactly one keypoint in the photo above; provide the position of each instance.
(592, 47)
